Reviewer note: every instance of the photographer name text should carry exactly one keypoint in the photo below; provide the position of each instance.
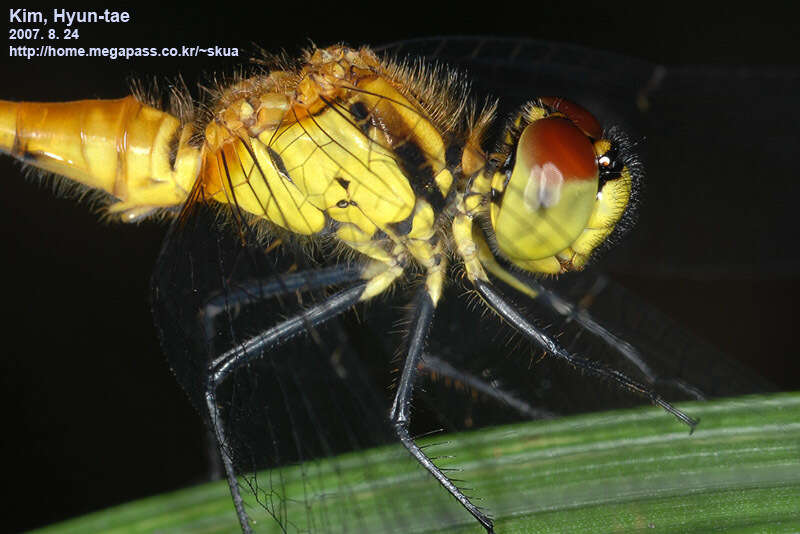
(67, 17)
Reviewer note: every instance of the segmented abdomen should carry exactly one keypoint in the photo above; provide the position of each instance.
(132, 151)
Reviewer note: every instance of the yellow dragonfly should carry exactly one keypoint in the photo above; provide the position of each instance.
(229, 268)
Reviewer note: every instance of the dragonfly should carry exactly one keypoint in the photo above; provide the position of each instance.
(192, 242)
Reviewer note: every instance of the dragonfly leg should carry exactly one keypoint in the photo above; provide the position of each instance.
(400, 415)
(496, 301)
(254, 291)
(632, 354)
(250, 292)
(222, 366)
(555, 302)
(433, 364)
(581, 315)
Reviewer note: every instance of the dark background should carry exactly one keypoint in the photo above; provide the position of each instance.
(92, 414)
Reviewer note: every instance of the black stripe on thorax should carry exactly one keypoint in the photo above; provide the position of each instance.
(418, 169)
(411, 159)
(403, 227)
(453, 154)
(361, 117)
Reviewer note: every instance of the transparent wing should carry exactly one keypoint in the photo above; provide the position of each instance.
(294, 404)
(717, 145)
(328, 391)
(320, 393)
(713, 246)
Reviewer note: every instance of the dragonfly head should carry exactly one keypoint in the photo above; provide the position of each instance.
(562, 187)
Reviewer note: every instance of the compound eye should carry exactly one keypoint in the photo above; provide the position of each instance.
(550, 194)
(558, 148)
(579, 115)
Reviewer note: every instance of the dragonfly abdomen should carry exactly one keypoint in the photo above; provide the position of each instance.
(139, 155)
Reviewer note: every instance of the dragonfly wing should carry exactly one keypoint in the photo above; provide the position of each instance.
(318, 395)
(329, 391)
(716, 213)
(717, 146)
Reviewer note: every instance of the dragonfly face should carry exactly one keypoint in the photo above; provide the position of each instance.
(193, 249)
(561, 189)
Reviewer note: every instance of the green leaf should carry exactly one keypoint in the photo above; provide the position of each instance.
(626, 471)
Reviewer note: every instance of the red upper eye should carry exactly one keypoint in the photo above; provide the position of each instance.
(558, 141)
(577, 114)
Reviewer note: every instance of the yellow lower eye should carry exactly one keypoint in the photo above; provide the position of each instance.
(550, 194)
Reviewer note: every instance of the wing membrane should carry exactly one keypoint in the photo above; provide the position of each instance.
(328, 391)
(720, 179)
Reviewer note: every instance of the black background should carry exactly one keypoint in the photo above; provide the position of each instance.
(92, 415)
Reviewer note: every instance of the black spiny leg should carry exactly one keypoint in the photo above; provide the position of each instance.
(221, 367)
(511, 314)
(433, 364)
(582, 316)
(400, 416)
(254, 291)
